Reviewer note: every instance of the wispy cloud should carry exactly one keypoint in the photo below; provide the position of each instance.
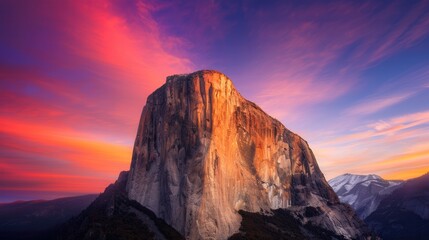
(381, 147)
(396, 124)
(401, 166)
(309, 60)
(289, 98)
(35, 149)
(387, 127)
(375, 105)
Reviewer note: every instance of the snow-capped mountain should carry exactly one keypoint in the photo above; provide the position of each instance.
(363, 192)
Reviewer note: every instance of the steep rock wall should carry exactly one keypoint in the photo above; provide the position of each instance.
(203, 152)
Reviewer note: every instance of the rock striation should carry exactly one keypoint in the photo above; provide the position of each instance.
(203, 153)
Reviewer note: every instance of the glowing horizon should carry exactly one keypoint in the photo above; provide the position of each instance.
(351, 78)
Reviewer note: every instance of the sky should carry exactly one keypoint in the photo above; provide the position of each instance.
(350, 77)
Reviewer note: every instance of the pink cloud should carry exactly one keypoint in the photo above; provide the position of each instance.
(380, 147)
(62, 122)
(288, 97)
(387, 127)
(310, 58)
(376, 105)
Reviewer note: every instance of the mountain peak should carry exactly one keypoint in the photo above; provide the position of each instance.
(203, 153)
(362, 192)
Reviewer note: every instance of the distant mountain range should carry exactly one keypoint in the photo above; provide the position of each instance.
(393, 209)
(27, 219)
(363, 192)
(113, 216)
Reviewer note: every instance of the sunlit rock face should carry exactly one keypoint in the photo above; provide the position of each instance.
(203, 152)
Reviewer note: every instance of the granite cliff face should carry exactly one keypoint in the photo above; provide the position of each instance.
(203, 152)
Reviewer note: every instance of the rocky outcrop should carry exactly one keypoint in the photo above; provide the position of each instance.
(203, 153)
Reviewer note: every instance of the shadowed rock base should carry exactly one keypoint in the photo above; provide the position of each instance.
(112, 216)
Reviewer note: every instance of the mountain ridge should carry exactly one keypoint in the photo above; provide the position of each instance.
(363, 192)
(404, 214)
(31, 219)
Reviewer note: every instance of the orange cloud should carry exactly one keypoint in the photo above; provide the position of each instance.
(77, 157)
(68, 119)
(403, 166)
(395, 148)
